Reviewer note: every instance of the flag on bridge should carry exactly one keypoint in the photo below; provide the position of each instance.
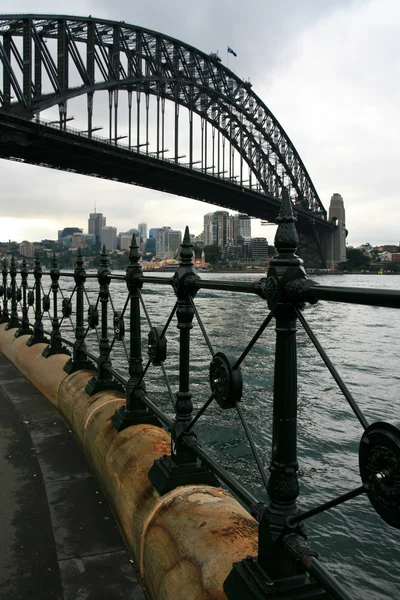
(231, 51)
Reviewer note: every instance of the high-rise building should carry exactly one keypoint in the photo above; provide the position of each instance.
(162, 242)
(174, 242)
(142, 227)
(152, 232)
(96, 223)
(108, 238)
(167, 242)
(124, 241)
(78, 240)
(259, 248)
(218, 228)
(242, 227)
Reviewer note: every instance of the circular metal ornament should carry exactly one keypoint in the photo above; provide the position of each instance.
(66, 307)
(157, 346)
(226, 382)
(379, 462)
(119, 325)
(93, 317)
(46, 302)
(19, 295)
(31, 298)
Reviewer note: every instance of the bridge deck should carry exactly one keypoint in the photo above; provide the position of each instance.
(58, 539)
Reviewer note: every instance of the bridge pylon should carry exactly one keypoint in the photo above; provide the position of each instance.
(336, 238)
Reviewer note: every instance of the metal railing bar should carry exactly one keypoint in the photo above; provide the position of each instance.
(163, 418)
(238, 286)
(115, 374)
(118, 277)
(203, 330)
(236, 488)
(167, 383)
(125, 305)
(369, 296)
(252, 444)
(342, 386)
(125, 348)
(249, 346)
(156, 280)
(88, 327)
(199, 413)
(329, 583)
(299, 517)
(110, 348)
(145, 309)
(69, 316)
(171, 316)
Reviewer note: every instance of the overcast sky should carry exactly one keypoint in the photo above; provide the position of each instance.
(328, 69)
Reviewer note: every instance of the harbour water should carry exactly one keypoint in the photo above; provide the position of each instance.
(363, 343)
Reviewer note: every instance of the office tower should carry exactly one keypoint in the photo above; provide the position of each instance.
(142, 227)
(96, 223)
(108, 238)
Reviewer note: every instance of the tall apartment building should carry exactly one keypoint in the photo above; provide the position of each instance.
(124, 241)
(218, 228)
(222, 229)
(142, 227)
(78, 240)
(167, 242)
(242, 227)
(259, 248)
(96, 223)
(108, 238)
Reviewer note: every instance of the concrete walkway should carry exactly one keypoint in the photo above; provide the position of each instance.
(58, 537)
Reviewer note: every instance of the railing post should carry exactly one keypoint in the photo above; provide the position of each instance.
(38, 336)
(56, 346)
(103, 380)
(4, 271)
(79, 358)
(182, 467)
(13, 323)
(134, 411)
(252, 577)
(25, 328)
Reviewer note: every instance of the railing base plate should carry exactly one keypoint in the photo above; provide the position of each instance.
(49, 351)
(166, 475)
(21, 332)
(37, 340)
(122, 418)
(248, 581)
(78, 365)
(103, 385)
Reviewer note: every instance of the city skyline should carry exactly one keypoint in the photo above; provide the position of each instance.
(335, 96)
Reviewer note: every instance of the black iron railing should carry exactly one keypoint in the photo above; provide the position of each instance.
(285, 566)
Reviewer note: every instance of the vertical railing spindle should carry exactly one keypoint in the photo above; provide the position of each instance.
(55, 346)
(134, 411)
(38, 336)
(79, 358)
(103, 380)
(13, 323)
(4, 271)
(274, 562)
(182, 467)
(25, 328)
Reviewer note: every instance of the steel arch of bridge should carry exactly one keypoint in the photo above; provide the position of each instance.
(117, 56)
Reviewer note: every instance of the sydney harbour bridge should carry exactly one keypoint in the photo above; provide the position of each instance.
(171, 117)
